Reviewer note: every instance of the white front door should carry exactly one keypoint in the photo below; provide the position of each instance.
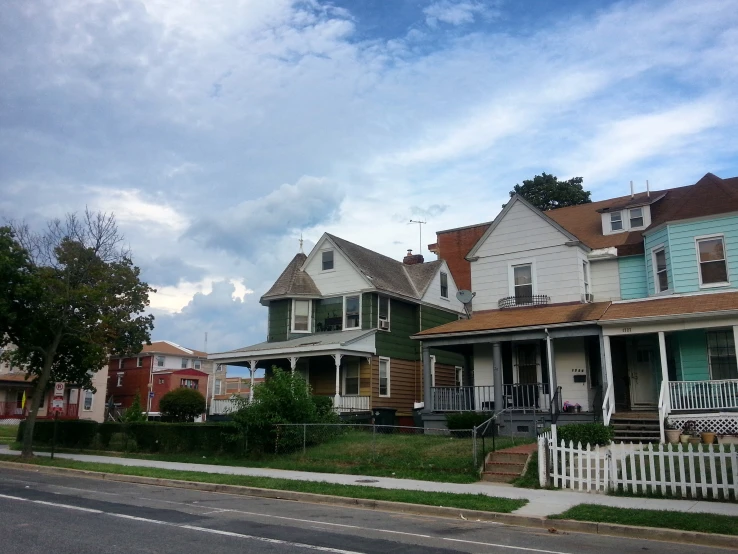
(642, 381)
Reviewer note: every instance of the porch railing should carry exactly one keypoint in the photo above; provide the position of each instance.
(527, 397)
(13, 410)
(462, 399)
(351, 404)
(703, 395)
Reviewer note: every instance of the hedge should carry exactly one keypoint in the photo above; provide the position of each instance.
(466, 420)
(70, 433)
(586, 433)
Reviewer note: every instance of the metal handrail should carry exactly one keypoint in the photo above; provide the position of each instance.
(534, 300)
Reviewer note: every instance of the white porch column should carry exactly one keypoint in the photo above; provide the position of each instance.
(610, 381)
(551, 368)
(337, 357)
(293, 363)
(662, 353)
(252, 370)
(427, 380)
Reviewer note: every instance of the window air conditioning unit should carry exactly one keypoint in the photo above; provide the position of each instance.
(588, 298)
(384, 325)
(219, 367)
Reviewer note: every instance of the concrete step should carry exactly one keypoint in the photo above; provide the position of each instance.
(634, 426)
(499, 476)
(502, 456)
(505, 467)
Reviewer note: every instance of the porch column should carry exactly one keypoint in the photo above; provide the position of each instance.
(497, 375)
(293, 363)
(427, 398)
(252, 369)
(735, 336)
(551, 368)
(664, 370)
(337, 358)
(610, 382)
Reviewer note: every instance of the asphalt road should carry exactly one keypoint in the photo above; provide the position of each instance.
(47, 514)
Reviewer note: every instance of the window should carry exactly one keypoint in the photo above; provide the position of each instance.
(139, 362)
(327, 260)
(188, 383)
(120, 363)
(329, 314)
(711, 253)
(384, 377)
(352, 310)
(120, 380)
(444, 285)
(160, 361)
(185, 363)
(660, 274)
(585, 272)
(459, 376)
(301, 316)
(636, 217)
(351, 379)
(523, 283)
(218, 385)
(161, 381)
(197, 364)
(87, 401)
(721, 353)
(616, 221)
(384, 313)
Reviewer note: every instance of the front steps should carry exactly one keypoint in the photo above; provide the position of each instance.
(504, 466)
(636, 427)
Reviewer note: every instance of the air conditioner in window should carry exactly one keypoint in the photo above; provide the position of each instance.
(384, 325)
(218, 367)
(588, 298)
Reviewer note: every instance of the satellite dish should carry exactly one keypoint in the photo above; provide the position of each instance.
(465, 296)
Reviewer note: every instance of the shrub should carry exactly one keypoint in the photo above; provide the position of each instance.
(105, 432)
(323, 406)
(586, 433)
(466, 420)
(70, 434)
(182, 404)
(182, 437)
(135, 412)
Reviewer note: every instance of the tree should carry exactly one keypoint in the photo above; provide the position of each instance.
(79, 300)
(134, 413)
(546, 192)
(182, 404)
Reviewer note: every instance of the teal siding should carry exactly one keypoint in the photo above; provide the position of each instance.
(692, 347)
(684, 251)
(396, 343)
(660, 237)
(632, 271)
(279, 320)
(433, 317)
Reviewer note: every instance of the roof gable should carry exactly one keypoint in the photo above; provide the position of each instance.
(171, 348)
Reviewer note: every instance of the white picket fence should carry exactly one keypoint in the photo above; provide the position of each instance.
(709, 472)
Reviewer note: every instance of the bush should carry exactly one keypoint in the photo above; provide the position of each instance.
(182, 404)
(105, 432)
(182, 437)
(135, 412)
(70, 434)
(586, 433)
(466, 420)
(323, 406)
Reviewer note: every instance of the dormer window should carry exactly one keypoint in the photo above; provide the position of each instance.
(616, 221)
(636, 218)
(327, 260)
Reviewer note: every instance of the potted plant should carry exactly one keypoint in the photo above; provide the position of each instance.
(688, 429)
(672, 432)
(708, 437)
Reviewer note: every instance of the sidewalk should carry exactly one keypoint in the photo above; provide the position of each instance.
(541, 502)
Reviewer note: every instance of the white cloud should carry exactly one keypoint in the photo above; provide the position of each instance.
(457, 13)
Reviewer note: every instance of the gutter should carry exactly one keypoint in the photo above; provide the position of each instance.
(504, 330)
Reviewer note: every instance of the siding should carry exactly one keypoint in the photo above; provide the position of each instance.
(661, 237)
(432, 317)
(604, 280)
(433, 294)
(570, 359)
(632, 271)
(405, 385)
(693, 355)
(341, 280)
(369, 310)
(483, 365)
(684, 252)
(396, 342)
(279, 320)
(322, 375)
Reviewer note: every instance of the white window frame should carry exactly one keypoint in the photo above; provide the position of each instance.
(84, 400)
(185, 363)
(310, 315)
(139, 361)
(433, 370)
(511, 276)
(120, 380)
(730, 334)
(196, 364)
(345, 313)
(358, 379)
(161, 381)
(585, 274)
(389, 310)
(440, 279)
(642, 217)
(655, 250)
(622, 226)
(161, 359)
(699, 263)
(217, 387)
(459, 375)
(333, 260)
(388, 378)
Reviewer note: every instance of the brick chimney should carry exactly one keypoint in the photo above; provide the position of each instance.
(412, 259)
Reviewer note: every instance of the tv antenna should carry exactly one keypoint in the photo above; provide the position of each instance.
(420, 231)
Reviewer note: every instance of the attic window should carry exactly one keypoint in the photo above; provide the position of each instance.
(327, 260)
(616, 221)
(636, 218)
(444, 285)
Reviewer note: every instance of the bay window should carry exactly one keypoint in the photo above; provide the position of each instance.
(301, 316)
(352, 309)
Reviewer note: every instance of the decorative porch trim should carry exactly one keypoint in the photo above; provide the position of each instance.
(720, 423)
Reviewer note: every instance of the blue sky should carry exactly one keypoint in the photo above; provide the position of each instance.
(220, 131)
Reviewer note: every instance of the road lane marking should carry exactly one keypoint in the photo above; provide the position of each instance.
(526, 549)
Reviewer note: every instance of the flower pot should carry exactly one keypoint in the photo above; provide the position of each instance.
(684, 438)
(708, 438)
(672, 435)
(694, 441)
(727, 439)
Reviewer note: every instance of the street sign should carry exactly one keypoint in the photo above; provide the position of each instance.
(151, 394)
(58, 389)
(57, 405)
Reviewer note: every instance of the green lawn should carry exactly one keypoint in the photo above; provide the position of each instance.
(8, 433)
(424, 457)
(463, 501)
(705, 523)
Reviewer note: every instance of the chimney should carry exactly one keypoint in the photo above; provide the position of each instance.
(632, 191)
(412, 259)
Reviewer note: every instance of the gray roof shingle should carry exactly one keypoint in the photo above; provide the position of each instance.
(293, 281)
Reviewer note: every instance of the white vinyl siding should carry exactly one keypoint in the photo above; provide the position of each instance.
(432, 293)
(342, 280)
(605, 280)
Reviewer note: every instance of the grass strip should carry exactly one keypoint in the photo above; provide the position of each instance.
(8, 433)
(450, 500)
(662, 519)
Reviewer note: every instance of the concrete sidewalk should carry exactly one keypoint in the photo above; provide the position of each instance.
(541, 502)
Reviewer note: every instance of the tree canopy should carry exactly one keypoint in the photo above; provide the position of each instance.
(182, 404)
(546, 192)
(77, 299)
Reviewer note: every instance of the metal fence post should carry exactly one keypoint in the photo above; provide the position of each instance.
(374, 441)
(474, 446)
(304, 439)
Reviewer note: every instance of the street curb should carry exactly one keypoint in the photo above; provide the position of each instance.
(552, 525)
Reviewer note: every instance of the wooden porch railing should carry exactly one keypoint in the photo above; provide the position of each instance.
(13, 410)
(351, 404)
(703, 395)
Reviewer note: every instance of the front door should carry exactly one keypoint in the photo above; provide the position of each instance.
(641, 364)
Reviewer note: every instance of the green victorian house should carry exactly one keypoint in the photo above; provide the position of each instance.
(343, 316)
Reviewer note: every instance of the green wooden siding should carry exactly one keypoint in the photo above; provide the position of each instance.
(396, 343)
(279, 320)
(369, 310)
(633, 283)
(433, 317)
(692, 355)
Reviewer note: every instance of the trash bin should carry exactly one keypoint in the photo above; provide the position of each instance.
(385, 416)
(417, 417)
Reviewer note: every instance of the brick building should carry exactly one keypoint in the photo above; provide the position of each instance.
(452, 246)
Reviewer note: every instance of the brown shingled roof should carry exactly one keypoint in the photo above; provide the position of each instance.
(496, 320)
(165, 347)
(696, 304)
(293, 281)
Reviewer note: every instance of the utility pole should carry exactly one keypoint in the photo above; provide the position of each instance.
(420, 231)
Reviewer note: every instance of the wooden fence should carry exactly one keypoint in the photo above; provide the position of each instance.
(708, 472)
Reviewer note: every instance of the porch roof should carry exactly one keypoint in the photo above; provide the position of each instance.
(673, 306)
(499, 320)
(360, 341)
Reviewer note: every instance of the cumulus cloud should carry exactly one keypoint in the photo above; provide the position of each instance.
(457, 13)
(170, 271)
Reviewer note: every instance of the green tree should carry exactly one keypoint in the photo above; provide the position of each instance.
(81, 300)
(134, 413)
(546, 192)
(182, 404)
